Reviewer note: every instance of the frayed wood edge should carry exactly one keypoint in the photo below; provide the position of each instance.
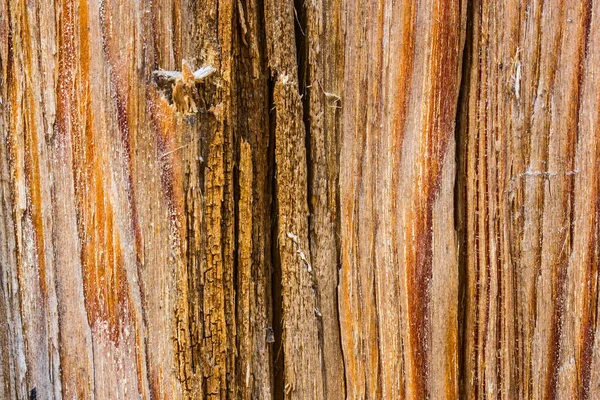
(199, 75)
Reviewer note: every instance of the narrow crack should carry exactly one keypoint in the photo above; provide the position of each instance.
(460, 198)
(277, 354)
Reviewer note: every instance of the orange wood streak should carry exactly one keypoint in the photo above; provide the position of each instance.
(105, 281)
(32, 164)
(66, 102)
(439, 129)
(169, 150)
(123, 88)
(33, 176)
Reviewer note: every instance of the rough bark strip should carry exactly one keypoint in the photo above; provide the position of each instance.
(324, 60)
(302, 360)
(245, 287)
(253, 128)
(302, 366)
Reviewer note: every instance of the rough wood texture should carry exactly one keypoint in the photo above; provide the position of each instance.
(363, 199)
(118, 209)
(399, 278)
(528, 185)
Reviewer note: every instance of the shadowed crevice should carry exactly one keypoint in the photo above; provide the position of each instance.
(460, 199)
(275, 331)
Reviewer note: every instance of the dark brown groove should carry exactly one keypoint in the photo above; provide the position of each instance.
(587, 332)
(460, 200)
(277, 353)
(375, 184)
(477, 261)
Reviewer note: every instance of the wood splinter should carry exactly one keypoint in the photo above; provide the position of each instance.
(180, 87)
(172, 76)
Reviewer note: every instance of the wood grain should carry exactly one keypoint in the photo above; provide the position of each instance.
(527, 155)
(399, 281)
(366, 199)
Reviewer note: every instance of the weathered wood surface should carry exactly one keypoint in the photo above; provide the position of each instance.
(528, 185)
(399, 277)
(365, 199)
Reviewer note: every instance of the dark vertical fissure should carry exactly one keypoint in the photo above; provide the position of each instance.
(460, 199)
(300, 30)
(304, 81)
(275, 331)
(588, 330)
(236, 230)
(239, 126)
